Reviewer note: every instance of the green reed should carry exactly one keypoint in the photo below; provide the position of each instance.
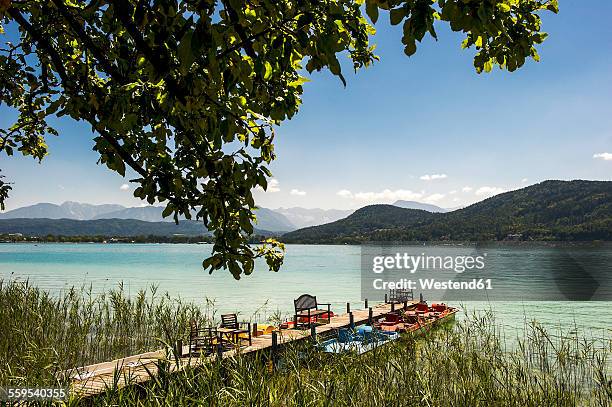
(42, 335)
(464, 364)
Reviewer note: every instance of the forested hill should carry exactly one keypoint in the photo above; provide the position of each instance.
(360, 224)
(550, 210)
(103, 227)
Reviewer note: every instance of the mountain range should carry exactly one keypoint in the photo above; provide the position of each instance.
(273, 220)
(267, 219)
(303, 217)
(67, 210)
(550, 210)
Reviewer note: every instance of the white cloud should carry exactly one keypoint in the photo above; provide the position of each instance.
(453, 192)
(124, 187)
(273, 185)
(434, 197)
(386, 195)
(467, 189)
(455, 199)
(297, 192)
(489, 191)
(603, 156)
(345, 193)
(524, 180)
(433, 177)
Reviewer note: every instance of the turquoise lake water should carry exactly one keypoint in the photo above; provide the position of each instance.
(330, 272)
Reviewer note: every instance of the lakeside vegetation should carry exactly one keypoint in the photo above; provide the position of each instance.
(468, 363)
(100, 227)
(18, 238)
(12, 238)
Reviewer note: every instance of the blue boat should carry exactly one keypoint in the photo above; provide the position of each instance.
(363, 339)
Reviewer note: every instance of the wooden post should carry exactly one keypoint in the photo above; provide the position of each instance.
(370, 316)
(313, 333)
(255, 329)
(179, 348)
(385, 298)
(392, 307)
(366, 303)
(405, 305)
(351, 320)
(219, 352)
(348, 307)
(274, 348)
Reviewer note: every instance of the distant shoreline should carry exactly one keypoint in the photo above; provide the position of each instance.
(189, 240)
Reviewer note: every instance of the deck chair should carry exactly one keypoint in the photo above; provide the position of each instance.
(307, 309)
(202, 340)
(233, 330)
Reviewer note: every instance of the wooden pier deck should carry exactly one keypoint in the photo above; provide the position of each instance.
(97, 378)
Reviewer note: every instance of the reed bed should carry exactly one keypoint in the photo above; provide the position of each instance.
(464, 364)
(42, 335)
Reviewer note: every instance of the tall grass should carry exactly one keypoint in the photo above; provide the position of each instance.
(41, 335)
(466, 364)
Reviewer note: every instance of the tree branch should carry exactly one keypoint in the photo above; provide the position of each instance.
(88, 42)
(44, 43)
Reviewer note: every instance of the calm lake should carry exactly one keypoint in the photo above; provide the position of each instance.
(332, 273)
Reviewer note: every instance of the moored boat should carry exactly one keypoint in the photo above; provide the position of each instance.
(363, 339)
(417, 320)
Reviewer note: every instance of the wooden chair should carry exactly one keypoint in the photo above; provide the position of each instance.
(400, 296)
(306, 306)
(202, 340)
(233, 330)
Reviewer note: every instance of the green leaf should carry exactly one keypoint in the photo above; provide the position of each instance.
(372, 10)
(503, 7)
(185, 53)
(167, 210)
(267, 74)
(397, 15)
(410, 48)
(298, 82)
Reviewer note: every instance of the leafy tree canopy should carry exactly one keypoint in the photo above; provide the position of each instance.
(187, 93)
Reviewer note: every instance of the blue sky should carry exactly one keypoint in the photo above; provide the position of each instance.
(402, 120)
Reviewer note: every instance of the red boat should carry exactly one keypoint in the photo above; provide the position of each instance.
(417, 319)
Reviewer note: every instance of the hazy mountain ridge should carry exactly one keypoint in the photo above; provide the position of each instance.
(267, 219)
(419, 205)
(67, 210)
(304, 217)
(276, 220)
(551, 210)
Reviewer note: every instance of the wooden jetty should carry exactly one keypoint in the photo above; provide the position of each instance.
(95, 379)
